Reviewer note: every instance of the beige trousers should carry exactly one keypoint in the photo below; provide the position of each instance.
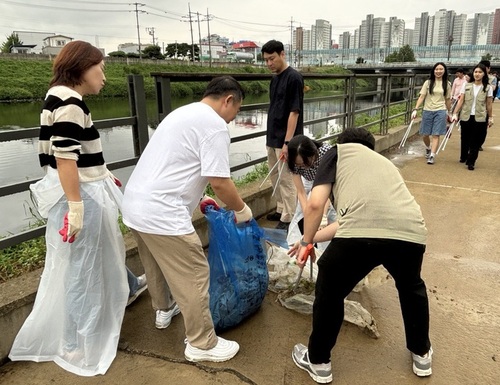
(286, 194)
(177, 271)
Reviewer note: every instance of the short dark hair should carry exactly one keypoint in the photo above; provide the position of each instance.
(304, 146)
(273, 46)
(485, 63)
(71, 63)
(222, 86)
(461, 70)
(357, 135)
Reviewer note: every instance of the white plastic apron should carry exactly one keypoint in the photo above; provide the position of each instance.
(294, 234)
(80, 303)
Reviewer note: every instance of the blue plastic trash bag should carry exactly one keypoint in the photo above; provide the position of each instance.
(238, 269)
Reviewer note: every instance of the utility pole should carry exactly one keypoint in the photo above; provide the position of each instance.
(199, 37)
(151, 32)
(209, 39)
(191, 27)
(137, 23)
(291, 37)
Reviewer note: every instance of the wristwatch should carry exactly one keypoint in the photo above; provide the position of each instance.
(304, 243)
(286, 142)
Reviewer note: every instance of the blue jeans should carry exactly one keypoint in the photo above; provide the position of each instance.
(133, 283)
(433, 123)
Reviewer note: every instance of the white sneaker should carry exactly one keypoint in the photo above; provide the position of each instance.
(142, 285)
(422, 365)
(321, 373)
(163, 318)
(223, 351)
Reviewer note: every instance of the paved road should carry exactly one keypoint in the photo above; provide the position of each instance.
(461, 269)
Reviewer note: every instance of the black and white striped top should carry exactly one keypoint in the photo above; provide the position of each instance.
(67, 131)
(310, 173)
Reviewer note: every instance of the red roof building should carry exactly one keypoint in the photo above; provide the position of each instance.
(244, 45)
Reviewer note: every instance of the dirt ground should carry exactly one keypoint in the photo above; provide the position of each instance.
(461, 270)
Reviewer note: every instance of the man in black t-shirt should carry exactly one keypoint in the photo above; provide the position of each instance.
(285, 120)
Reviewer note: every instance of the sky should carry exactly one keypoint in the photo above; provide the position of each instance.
(109, 23)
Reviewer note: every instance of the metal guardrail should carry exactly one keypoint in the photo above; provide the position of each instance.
(385, 87)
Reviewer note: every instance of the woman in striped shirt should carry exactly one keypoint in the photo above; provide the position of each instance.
(78, 311)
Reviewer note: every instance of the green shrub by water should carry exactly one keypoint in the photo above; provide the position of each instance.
(28, 80)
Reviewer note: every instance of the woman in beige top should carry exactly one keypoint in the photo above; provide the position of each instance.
(435, 96)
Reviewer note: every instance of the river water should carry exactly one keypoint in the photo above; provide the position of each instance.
(19, 159)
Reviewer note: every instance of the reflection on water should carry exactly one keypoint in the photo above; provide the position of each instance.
(19, 159)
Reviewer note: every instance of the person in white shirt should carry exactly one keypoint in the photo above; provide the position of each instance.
(189, 149)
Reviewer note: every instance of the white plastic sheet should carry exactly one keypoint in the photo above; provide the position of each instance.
(80, 303)
(294, 234)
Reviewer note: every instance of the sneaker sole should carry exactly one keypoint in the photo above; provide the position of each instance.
(163, 326)
(422, 372)
(208, 358)
(137, 294)
(319, 380)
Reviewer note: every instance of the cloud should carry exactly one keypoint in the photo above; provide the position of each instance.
(108, 24)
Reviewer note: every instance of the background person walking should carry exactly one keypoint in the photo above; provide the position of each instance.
(475, 107)
(458, 82)
(435, 97)
(284, 120)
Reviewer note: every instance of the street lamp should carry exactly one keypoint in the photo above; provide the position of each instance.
(450, 40)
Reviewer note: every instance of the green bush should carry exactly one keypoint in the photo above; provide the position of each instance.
(14, 93)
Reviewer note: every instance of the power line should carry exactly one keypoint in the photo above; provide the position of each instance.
(62, 8)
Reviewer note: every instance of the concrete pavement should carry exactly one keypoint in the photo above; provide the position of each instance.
(462, 273)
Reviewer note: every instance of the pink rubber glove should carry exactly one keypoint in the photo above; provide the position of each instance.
(73, 222)
(207, 201)
(115, 179)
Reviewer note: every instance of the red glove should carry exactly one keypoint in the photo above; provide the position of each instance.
(117, 182)
(64, 231)
(115, 179)
(304, 255)
(207, 201)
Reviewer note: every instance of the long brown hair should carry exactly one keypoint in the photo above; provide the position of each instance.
(70, 64)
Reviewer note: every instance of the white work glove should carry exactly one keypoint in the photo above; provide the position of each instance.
(413, 114)
(73, 222)
(490, 122)
(244, 215)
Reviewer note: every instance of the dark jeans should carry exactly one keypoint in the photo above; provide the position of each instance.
(343, 264)
(472, 136)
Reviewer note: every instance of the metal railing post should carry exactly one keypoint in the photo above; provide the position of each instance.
(163, 96)
(384, 115)
(137, 99)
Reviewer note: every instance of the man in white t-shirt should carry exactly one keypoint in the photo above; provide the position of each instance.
(189, 149)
